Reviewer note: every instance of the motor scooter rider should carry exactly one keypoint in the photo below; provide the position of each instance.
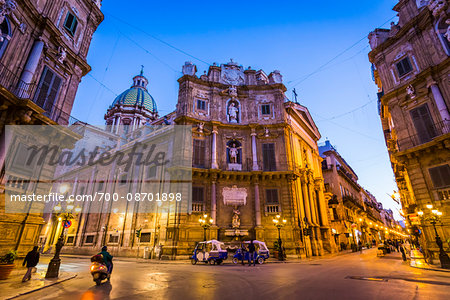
(107, 259)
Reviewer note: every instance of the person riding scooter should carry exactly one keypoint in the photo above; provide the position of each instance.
(107, 259)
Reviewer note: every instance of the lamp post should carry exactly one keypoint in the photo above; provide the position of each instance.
(433, 217)
(55, 262)
(205, 224)
(279, 223)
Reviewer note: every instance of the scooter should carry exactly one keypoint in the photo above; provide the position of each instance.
(99, 270)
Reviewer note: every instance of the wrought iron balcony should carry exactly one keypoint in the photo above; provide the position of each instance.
(427, 135)
(12, 83)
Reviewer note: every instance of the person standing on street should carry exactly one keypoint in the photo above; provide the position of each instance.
(31, 260)
(360, 246)
(251, 253)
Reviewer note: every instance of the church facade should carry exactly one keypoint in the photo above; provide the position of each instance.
(254, 159)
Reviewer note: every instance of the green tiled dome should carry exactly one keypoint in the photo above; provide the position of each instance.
(136, 95)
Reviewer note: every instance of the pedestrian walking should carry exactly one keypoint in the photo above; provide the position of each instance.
(31, 260)
(243, 253)
(251, 254)
(402, 250)
(360, 246)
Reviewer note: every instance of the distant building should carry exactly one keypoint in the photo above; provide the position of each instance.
(355, 213)
(411, 68)
(43, 49)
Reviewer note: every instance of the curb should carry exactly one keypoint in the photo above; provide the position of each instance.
(42, 287)
(432, 269)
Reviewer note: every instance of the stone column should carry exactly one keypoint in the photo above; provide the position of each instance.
(254, 152)
(84, 215)
(306, 201)
(323, 207)
(30, 69)
(257, 205)
(440, 103)
(213, 202)
(214, 149)
(312, 204)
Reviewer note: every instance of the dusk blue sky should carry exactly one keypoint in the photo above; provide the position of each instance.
(295, 37)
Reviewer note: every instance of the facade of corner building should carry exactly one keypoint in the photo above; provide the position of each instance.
(355, 214)
(411, 70)
(43, 49)
(254, 157)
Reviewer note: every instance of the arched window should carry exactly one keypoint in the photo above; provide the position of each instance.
(5, 35)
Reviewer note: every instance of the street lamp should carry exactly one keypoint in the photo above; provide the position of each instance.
(433, 218)
(279, 224)
(205, 224)
(55, 262)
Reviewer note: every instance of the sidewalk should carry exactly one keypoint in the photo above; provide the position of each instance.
(13, 287)
(429, 267)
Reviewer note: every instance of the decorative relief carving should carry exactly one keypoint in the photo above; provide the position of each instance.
(437, 6)
(232, 74)
(234, 196)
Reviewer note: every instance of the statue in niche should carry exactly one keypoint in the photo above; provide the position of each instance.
(233, 113)
(236, 222)
(233, 154)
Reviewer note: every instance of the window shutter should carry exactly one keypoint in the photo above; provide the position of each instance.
(269, 157)
(44, 87)
(199, 153)
(54, 89)
(440, 176)
(423, 123)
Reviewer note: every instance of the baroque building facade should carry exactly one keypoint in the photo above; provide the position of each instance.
(254, 156)
(43, 49)
(411, 67)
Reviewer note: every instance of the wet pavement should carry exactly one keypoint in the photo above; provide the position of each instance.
(350, 276)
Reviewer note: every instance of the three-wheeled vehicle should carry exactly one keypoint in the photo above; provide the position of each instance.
(262, 253)
(212, 252)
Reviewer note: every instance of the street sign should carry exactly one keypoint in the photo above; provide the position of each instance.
(67, 224)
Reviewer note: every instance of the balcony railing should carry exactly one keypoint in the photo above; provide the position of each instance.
(433, 131)
(444, 194)
(24, 90)
(12, 83)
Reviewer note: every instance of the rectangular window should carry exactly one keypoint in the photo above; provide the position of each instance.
(151, 171)
(269, 157)
(404, 67)
(71, 23)
(440, 176)
(145, 237)
(272, 196)
(198, 197)
(70, 239)
(265, 109)
(48, 90)
(100, 185)
(89, 239)
(123, 179)
(199, 153)
(201, 104)
(113, 238)
(423, 123)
